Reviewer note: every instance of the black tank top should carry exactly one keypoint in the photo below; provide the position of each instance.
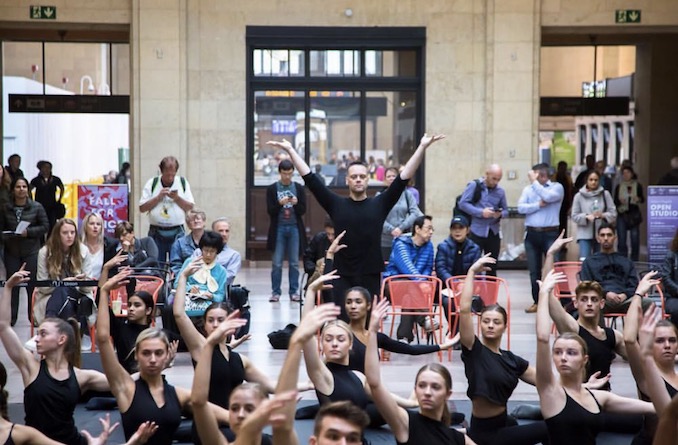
(144, 408)
(49, 405)
(424, 430)
(9, 440)
(575, 424)
(601, 353)
(226, 375)
(347, 386)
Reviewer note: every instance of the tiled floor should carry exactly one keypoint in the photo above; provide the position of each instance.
(398, 373)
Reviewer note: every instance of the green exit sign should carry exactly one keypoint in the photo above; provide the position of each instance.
(43, 12)
(627, 16)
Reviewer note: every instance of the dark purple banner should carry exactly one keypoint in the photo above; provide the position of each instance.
(662, 220)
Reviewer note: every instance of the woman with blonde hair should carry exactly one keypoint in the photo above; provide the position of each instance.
(92, 237)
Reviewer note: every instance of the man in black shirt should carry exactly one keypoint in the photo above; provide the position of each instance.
(362, 217)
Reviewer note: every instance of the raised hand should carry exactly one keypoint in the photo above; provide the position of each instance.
(20, 276)
(120, 279)
(193, 267)
(550, 280)
(559, 243)
(427, 140)
(284, 145)
(225, 328)
(647, 282)
(596, 381)
(143, 433)
(336, 246)
(646, 333)
(481, 265)
(379, 311)
(314, 320)
(119, 258)
(107, 430)
(270, 411)
(319, 283)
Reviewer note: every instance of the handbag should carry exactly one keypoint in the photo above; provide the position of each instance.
(195, 305)
(59, 210)
(632, 217)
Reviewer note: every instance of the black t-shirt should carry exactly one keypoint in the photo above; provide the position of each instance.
(490, 375)
(601, 353)
(424, 430)
(45, 190)
(363, 222)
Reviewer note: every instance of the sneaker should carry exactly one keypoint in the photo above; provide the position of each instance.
(274, 298)
(295, 297)
(532, 309)
(430, 324)
(86, 344)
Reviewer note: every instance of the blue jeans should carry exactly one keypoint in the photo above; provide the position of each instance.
(587, 247)
(536, 246)
(286, 244)
(622, 248)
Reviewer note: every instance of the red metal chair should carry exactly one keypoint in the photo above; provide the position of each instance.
(565, 291)
(488, 288)
(415, 295)
(148, 283)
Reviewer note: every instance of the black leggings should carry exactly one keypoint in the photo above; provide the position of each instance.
(504, 429)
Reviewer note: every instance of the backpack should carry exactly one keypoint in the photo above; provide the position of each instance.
(476, 197)
(157, 179)
(281, 339)
(239, 297)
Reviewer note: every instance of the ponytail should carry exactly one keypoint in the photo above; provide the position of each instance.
(71, 329)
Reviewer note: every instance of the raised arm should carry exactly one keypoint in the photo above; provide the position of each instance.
(546, 383)
(317, 371)
(299, 163)
(284, 434)
(466, 330)
(413, 163)
(194, 340)
(666, 428)
(396, 417)
(553, 251)
(203, 416)
(654, 382)
(21, 357)
(121, 384)
(564, 321)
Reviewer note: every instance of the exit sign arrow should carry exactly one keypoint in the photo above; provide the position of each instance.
(627, 16)
(39, 12)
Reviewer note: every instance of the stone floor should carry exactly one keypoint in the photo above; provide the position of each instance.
(398, 373)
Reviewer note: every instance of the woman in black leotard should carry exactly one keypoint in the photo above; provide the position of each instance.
(432, 387)
(572, 413)
(492, 372)
(333, 379)
(53, 385)
(653, 365)
(244, 399)
(150, 398)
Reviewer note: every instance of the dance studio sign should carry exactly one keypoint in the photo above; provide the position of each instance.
(662, 220)
(108, 200)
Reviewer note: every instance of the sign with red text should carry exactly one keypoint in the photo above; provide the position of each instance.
(108, 200)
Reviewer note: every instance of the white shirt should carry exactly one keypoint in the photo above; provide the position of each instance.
(167, 213)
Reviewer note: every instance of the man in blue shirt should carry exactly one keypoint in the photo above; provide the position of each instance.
(540, 203)
(412, 254)
(486, 212)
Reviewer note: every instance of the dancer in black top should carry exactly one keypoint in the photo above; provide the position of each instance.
(432, 387)
(333, 379)
(653, 362)
(362, 217)
(492, 372)
(244, 399)
(572, 412)
(589, 301)
(53, 384)
(150, 397)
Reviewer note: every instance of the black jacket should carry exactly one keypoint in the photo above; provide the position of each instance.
(316, 249)
(34, 213)
(273, 208)
(614, 272)
(669, 274)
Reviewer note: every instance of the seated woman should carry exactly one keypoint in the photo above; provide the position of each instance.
(572, 412)
(206, 284)
(141, 253)
(492, 373)
(244, 398)
(333, 379)
(150, 397)
(92, 237)
(53, 384)
(432, 386)
(64, 258)
(653, 360)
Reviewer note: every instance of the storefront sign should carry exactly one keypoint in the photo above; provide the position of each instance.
(662, 220)
(108, 200)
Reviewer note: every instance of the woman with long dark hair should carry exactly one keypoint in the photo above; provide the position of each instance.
(591, 206)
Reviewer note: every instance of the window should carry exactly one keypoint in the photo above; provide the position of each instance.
(337, 94)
